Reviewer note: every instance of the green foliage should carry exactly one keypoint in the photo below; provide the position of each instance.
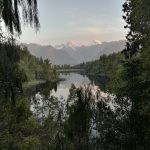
(77, 127)
(108, 68)
(35, 68)
(135, 74)
(11, 76)
(104, 66)
(31, 143)
(14, 125)
(18, 128)
(126, 127)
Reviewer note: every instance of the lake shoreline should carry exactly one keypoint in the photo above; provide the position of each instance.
(37, 82)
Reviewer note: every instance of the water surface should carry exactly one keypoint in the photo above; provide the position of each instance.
(70, 78)
(61, 89)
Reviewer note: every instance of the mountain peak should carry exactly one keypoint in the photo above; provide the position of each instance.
(72, 44)
(71, 53)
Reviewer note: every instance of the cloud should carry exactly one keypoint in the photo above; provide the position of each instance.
(90, 30)
(75, 43)
(97, 42)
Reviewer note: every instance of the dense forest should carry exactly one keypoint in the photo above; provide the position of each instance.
(107, 67)
(86, 121)
(36, 68)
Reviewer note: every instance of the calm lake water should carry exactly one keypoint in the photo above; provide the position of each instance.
(70, 78)
(41, 94)
(61, 89)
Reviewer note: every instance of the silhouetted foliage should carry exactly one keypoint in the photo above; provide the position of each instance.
(10, 11)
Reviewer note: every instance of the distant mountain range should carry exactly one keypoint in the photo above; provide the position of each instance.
(68, 54)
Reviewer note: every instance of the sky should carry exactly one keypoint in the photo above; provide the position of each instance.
(77, 21)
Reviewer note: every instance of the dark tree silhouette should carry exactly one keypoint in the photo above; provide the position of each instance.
(11, 14)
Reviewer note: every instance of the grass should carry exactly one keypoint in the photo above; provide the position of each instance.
(32, 83)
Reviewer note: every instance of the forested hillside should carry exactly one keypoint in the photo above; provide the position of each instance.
(106, 65)
(36, 68)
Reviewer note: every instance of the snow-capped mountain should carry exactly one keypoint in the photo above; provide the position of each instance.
(72, 53)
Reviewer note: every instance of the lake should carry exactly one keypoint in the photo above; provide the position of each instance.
(61, 89)
(41, 94)
(70, 78)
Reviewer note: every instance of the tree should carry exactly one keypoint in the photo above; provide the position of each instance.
(10, 13)
(77, 126)
(138, 22)
(136, 85)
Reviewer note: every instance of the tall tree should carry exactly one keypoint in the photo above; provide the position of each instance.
(136, 73)
(137, 17)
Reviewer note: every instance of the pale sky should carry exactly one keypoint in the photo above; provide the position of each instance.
(81, 21)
